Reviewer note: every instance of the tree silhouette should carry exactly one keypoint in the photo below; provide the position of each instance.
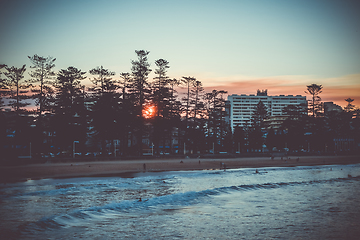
(188, 81)
(216, 128)
(103, 81)
(174, 115)
(4, 88)
(124, 83)
(139, 89)
(15, 76)
(256, 136)
(104, 107)
(161, 97)
(139, 82)
(294, 127)
(197, 93)
(349, 107)
(173, 83)
(315, 103)
(110, 111)
(69, 109)
(161, 93)
(43, 74)
(239, 139)
(196, 123)
(17, 122)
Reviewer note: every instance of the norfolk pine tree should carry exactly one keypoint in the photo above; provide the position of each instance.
(161, 98)
(68, 108)
(139, 89)
(15, 76)
(315, 102)
(4, 88)
(43, 74)
(105, 107)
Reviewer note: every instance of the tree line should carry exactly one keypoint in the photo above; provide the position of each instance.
(110, 114)
(134, 113)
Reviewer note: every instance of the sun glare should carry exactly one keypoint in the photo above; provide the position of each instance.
(149, 111)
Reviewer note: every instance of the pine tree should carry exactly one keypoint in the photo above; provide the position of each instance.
(103, 80)
(4, 88)
(17, 88)
(139, 90)
(349, 107)
(126, 115)
(256, 136)
(43, 74)
(139, 82)
(196, 94)
(69, 109)
(216, 129)
(188, 82)
(161, 93)
(105, 105)
(315, 103)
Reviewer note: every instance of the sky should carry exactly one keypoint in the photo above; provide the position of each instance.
(234, 45)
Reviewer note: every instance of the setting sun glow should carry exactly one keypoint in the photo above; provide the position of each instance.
(149, 111)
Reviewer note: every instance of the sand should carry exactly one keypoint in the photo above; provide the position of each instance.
(126, 168)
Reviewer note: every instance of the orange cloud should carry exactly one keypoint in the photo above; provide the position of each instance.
(334, 89)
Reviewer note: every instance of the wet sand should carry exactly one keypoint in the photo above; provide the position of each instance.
(127, 168)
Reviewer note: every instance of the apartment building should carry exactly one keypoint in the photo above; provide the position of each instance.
(241, 107)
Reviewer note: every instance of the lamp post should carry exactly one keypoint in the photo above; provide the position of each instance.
(74, 148)
(114, 148)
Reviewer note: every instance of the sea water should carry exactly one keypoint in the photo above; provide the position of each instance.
(318, 202)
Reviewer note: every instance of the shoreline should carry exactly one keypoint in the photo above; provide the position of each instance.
(129, 168)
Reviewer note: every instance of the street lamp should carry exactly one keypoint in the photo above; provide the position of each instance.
(74, 148)
(114, 141)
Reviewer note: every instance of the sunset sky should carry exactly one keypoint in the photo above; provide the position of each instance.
(239, 46)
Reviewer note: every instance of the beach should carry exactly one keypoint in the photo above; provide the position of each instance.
(126, 168)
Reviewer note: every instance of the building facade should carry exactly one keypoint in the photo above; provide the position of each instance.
(241, 107)
(330, 107)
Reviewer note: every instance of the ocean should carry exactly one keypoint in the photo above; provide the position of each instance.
(317, 202)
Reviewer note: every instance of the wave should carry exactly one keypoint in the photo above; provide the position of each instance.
(164, 203)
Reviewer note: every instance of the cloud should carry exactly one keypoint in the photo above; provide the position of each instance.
(334, 89)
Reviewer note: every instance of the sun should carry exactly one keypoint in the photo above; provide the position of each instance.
(149, 111)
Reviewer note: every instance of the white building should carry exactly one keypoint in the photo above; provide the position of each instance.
(241, 107)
